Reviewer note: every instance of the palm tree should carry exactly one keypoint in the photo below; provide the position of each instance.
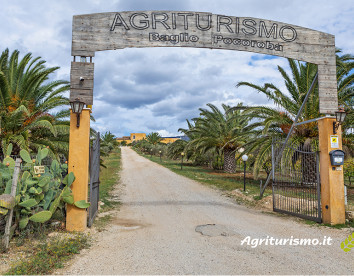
(345, 79)
(218, 130)
(108, 142)
(276, 121)
(175, 149)
(347, 100)
(27, 102)
(154, 138)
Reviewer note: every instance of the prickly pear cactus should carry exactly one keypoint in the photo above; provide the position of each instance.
(37, 192)
(38, 196)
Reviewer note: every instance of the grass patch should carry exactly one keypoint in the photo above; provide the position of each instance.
(257, 197)
(109, 177)
(102, 222)
(311, 222)
(210, 177)
(45, 257)
(349, 224)
(37, 232)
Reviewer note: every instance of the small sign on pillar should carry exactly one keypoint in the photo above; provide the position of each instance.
(334, 142)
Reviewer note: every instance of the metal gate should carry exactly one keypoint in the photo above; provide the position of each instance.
(296, 181)
(94, 179)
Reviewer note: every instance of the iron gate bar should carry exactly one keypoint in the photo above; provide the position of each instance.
(319, 208)
(94, 179)
(291, 129)
(313, 120)
(296, 183)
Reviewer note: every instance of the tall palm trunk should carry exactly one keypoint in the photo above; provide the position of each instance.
(229, 161)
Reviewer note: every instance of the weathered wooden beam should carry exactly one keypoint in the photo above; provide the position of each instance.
(6, 238)
(111, 31)
(81, 76)
(82, 82)
(118, 30)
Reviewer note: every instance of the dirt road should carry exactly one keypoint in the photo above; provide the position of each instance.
(155, 233)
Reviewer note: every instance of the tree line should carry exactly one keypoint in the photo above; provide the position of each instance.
(34, 113)
(220, 136)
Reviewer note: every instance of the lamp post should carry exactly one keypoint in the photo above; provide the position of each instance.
(241, 150)
(151, 154)
(182, 154)
(340, 116)
(160, 156)
(244, 158)
(76, 107)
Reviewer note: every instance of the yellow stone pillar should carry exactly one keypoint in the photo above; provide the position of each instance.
(332, 178)
(79, 145)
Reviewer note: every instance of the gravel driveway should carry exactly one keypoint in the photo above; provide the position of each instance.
(155, 232)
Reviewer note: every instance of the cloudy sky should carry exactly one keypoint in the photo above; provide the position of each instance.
(157, 89)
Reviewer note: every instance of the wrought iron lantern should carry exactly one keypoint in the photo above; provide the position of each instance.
(340, 117)
(76, 107)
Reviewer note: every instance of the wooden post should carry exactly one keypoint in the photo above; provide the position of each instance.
(79, 147)
(332, 179)
(6, 239)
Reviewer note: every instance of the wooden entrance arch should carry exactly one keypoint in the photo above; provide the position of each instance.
(139, 29)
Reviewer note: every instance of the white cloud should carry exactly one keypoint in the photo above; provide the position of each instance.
(165, 133)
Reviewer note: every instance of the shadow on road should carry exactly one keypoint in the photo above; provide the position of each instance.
(182, 203)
